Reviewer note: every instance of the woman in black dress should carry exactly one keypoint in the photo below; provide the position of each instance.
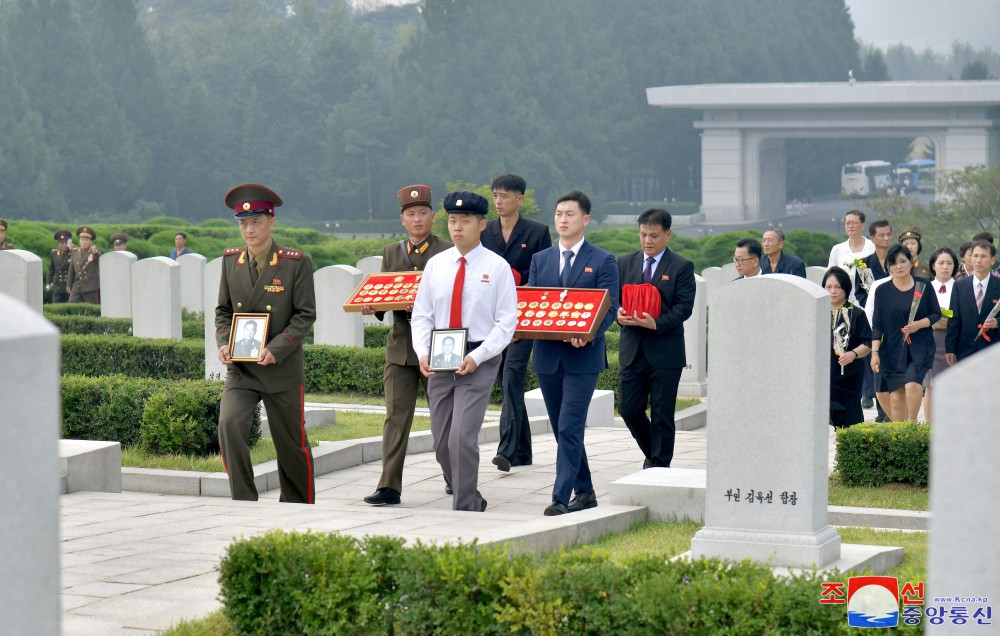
(851, 342)
(903, 349)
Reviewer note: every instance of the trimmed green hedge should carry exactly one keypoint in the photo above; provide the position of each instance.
(876, 454)
(95, 325)
(136, 357)
(168, 416)
(71, 309)
(293, 583)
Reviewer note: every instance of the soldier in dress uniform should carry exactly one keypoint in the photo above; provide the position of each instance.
(402, 368)
(4, 245)
(119, 241)
(84, 281)
(264, 277)
(58, 276)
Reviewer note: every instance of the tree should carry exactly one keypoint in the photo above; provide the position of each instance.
(976, 70)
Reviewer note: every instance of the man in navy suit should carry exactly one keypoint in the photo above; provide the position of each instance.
(972, 299)
(517, 240)
(567, 370)
(651, 351)
(775, 260)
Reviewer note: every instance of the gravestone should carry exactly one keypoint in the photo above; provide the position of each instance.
(963, 551)
(116, 284)
(766, 476)
(21, 277)
(373, 265)
(156, 298)
(713, 280)
(693, 377)
(815, 273)
(334, 326)
(192, 281)
(29, 470)
(213, 276)
(728, 273)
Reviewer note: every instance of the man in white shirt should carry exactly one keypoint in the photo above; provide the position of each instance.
(466, 286)
(856, 247)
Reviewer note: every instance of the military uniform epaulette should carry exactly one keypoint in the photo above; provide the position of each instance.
(231, 251)
(284, 252)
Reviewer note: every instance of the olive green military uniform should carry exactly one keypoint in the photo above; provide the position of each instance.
(402, 369)
(284, 289)
(58, 276)
(4, 245)
(84, 276)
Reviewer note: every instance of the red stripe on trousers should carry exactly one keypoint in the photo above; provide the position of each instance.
(303, 444)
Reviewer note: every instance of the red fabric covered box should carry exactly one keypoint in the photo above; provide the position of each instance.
(637, 299)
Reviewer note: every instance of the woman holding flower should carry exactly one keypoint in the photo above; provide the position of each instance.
(851, 342)
(902, 344)
(944, 267)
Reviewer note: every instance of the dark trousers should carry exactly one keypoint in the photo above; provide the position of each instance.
(868, 384)
(286, 419)
(515, 434)
(93, 297)
(567, 401)
(59, 294)
(639, 385)
(400, 382)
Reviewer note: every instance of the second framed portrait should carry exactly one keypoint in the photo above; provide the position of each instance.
(448, 348)
(248, 336)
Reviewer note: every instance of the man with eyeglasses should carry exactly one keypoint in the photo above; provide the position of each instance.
(747, 257)
(855, 248)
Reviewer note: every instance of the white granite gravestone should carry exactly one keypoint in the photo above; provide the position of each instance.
(713, 280)
(963, 552)
(214, 370)
(192, 281)
(766, 496)
(156, 298)
(815, 273)
(21, 277)
(373, 265)
(29, 470)
(693, 378)
(728, 273)
(116, 284)
(334, 326)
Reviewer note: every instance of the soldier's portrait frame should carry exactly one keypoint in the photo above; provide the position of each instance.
(445, 342)
(239, 349)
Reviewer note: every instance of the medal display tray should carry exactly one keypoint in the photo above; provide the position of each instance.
(554, 313)
(385, 291)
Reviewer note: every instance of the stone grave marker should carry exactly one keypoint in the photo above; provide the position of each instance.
(693, 377)
(193, 282)
(21, 277)
(713, 280)
(116, 284)
(156, 298)
(334, 326)
(373, 265)
(814, 273)
(213, 277)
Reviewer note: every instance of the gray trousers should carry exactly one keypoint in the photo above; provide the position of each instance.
(458, 404)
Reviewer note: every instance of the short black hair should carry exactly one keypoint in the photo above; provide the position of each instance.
(895, 251)
(842, 278)
(510, 182)
(965, 248)
(656, 216)
(875, 225)
(752, 245)
(857, 213)
(575, 195)
(939, 252)
(181, 234)
(987, 246)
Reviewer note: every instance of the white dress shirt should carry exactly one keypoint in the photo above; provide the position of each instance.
(489, 301)
(944, 299)
(842, 254)
(562, 258)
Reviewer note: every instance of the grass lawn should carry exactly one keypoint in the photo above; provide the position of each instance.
(897, 496)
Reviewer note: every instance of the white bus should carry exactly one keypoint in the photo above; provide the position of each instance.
(866, 178)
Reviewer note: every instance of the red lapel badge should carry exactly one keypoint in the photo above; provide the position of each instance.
(664, 277)
(588, 270)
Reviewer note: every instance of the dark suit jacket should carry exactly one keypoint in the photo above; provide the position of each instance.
(526, 239)
(399, 343)
(963, 326)
(593, 268)
(787, 264)
(878, 273)
(285, 290)
(674, 279)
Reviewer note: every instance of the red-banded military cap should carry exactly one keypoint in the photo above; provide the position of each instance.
(87, 231)
(61, 235)
(414, 195)
(249, 199)
(119, 238)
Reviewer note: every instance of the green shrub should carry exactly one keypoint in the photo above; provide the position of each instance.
(91, 325)
(71, 309)
(137, 357)
(375, 336)
(182, 418)
(875, 454)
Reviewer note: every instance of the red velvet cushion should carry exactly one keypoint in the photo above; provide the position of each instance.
(637, 299)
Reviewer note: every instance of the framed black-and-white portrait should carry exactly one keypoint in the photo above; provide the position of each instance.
(448, 348)
(248, 336)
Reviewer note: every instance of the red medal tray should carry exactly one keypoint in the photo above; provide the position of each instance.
(553, 313)
(385, 291)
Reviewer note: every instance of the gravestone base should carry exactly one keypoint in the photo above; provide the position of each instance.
(693, 389)
(854, 557)
(788, 549)
(601, 413)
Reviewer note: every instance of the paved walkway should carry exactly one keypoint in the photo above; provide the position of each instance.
(136, 563)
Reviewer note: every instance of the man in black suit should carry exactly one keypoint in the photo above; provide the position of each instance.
(516, 239)
(972, 299)
(651, 350)
(775, 260)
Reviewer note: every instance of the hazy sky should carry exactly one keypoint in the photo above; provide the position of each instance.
(927, 23)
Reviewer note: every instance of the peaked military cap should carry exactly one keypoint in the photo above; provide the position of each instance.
(909, 233)
(249, 199)
(87, 231)
(3, 225)
(462, 202)
(119, 238)
(61, 235)
(414, 195)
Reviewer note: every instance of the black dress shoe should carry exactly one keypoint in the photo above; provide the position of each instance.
(502, 463)
(482, 506)
(556, 508)
(582, 501)
(447, 489)
(383, 497)
(648, 463)
(867, 403)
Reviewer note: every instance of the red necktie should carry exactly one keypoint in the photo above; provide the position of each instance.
(943, 289)
(456, 296)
